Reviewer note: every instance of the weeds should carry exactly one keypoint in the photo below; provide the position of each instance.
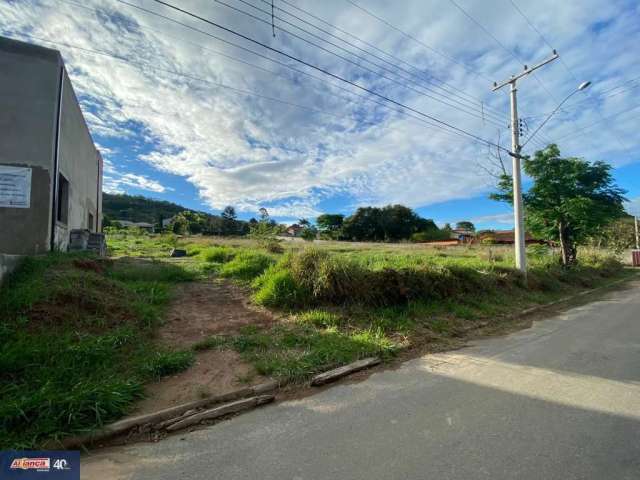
(76, 346)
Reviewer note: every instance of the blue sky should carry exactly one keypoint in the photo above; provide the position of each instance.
(206, 122)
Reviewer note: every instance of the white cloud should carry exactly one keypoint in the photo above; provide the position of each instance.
(500, 218)
(633, 207)
(247, 151)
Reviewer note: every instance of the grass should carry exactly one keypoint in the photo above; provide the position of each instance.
(349, 300)
(77, 346)
(77, 331)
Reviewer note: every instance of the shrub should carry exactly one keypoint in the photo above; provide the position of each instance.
(246, 265)
(218, 254)
(276, 287)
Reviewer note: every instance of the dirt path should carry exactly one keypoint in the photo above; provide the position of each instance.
(199, 310)
(214, 307)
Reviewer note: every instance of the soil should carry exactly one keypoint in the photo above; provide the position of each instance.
(200, 310)
(214, 307)
(214, 372)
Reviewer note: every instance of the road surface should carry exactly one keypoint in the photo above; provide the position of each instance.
(560, 400)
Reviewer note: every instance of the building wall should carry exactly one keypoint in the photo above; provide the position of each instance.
(80, 164)
(30, 104)
(29, 78)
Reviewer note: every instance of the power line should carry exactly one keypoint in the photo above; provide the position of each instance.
(452, 90)
(144, 67)
(331, 74)
(364, 97)
(509, 51)
(603, 119)
(461, 107)
(419, 42)
(566, 67)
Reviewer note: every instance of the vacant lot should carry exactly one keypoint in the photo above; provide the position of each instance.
(83, 336)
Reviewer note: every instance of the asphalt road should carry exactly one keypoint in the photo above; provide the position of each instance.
(560, 400)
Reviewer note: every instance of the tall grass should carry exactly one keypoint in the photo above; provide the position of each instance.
(76, 343)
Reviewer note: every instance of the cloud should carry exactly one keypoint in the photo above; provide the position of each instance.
(501, 218)
(633, 207)
(184, 94)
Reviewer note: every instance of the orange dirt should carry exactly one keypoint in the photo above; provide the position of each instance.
(213, 373)
(199, 310)
(214, 307)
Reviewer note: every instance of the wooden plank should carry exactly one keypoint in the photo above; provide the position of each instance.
(166, 414)
(335, 374)
(222, 410)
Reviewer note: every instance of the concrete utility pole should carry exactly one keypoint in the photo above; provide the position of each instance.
(518, 211)
(637, 236)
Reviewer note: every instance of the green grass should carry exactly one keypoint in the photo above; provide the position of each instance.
(346, 300)
(76, 343)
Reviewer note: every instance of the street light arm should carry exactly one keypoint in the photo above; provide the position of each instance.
(549, 117)
(582, 86)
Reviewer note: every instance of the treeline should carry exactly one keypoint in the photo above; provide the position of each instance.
(136, 208)
(381, 224)
(391, 223)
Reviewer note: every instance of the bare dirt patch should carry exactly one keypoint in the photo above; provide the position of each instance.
(214, 372)
(198, 311)
(214, 307)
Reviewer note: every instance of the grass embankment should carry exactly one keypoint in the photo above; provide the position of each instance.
(347, 304)
(77, 343)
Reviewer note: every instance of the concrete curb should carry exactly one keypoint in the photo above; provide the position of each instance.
(179, 411)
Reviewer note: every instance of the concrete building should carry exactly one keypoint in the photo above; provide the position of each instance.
(50, 170)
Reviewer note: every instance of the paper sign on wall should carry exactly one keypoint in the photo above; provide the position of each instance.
(15, 187)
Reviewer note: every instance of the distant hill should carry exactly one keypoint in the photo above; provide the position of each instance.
(137, 208)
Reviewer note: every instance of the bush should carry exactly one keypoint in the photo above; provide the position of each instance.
(218, 254)
(246, 265)
(277, 288)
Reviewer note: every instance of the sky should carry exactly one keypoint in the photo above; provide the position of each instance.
(189, 112)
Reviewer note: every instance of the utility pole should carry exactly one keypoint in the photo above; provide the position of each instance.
(637, 236)
(518, 210)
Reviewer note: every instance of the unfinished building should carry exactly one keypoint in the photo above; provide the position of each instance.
(50, 169)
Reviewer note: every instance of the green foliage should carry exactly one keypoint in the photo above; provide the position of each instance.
(309, 233)
(390, 223)
(136, 208)
(330, 225)
(167, 363)
(246, 265)
(76, 346)
(466, 225)
(296, 353)
(570, 200)
(218, 254)
(617, 235)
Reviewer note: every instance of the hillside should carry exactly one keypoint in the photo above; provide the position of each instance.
(137, 208)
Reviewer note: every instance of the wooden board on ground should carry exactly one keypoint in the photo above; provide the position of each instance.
(335, 374)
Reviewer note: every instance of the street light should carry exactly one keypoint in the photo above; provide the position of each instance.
(582, 86)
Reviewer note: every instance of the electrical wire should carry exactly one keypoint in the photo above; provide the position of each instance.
(461, 107)
(452, 90)
(442, 123)
(420, 42)
(566, 67)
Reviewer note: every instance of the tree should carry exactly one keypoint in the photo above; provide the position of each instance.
(466, 225)
(309, 233)
(303, 222)
(229, 222)
(570, 200)
(330, 224)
